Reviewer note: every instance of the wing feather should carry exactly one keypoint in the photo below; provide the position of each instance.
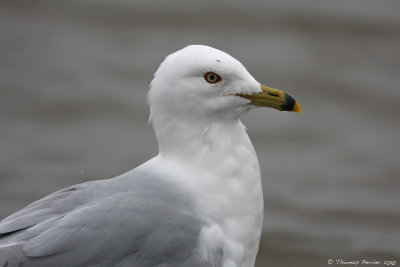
(102, 224)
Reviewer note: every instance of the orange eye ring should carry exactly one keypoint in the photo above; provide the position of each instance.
(212, 77)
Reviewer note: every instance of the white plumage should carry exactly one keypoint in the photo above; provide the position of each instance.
(197, 203)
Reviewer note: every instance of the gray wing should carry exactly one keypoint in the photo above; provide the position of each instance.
(55, 204)
(152, 225)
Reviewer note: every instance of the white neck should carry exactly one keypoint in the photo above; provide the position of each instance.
(222, 171)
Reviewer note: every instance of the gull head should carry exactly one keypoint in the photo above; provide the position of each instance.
(203, 82)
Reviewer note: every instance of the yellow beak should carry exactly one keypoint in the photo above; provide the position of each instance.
(273, 98)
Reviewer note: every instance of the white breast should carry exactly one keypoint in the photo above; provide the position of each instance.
(224, 178)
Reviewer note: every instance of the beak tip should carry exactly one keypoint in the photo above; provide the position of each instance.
(297, 108)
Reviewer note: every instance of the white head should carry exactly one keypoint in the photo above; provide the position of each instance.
(202, 85)
(180, 87)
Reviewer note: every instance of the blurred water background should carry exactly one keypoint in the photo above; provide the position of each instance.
(73, 81)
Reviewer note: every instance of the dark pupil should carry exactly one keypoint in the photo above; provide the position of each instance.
(212, 77)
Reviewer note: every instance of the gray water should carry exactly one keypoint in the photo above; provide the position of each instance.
(73, 80)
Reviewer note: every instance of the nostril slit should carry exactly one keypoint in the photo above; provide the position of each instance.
(273, 94)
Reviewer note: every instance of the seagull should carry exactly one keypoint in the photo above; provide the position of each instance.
(198, 203)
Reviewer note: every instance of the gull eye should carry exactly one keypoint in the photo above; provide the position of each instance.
(212, 77)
